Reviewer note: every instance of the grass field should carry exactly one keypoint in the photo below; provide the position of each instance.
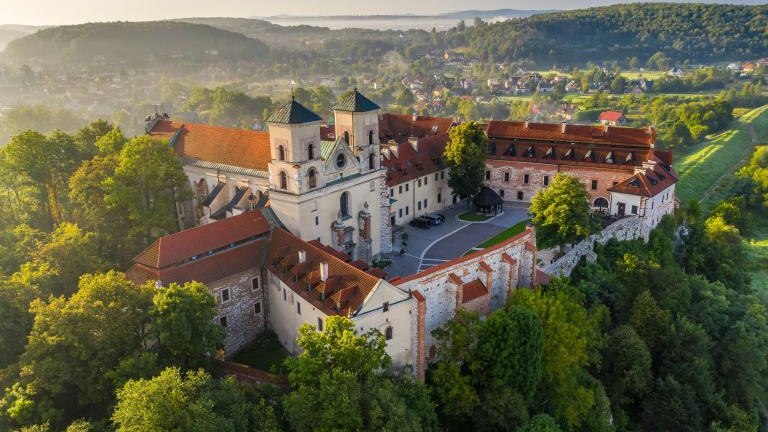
(757, 251)
(504, 235)
(706, 171)
(473, 217)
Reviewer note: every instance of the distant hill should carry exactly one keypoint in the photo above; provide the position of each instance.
(496, 13)
(7, 35)
(132, 42)
(693, 32)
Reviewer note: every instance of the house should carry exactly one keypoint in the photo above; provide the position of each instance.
(612, 118)
(675, 72)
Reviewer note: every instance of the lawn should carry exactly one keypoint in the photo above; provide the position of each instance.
(473, 217)
(265, 353)
(757, 252)
(712, 164)
(504, 235)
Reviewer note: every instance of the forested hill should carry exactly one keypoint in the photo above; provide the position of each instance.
(695, 32)
(131, 42)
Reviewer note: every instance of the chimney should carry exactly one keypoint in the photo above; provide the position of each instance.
(324, 271)
(563, 128)
(302, 256)
(415, 117)
(525, 125)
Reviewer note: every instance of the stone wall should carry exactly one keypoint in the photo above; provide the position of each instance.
(512, 265)
(628, 228)
(243, 323)
(386, 225)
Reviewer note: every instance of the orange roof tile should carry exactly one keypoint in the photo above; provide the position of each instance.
(410, 164)
(572, 133)
(473, 290)
(183, 245)
(610, 116)
(649, 182)
(236, 147)
(401, 127)
(346, 287)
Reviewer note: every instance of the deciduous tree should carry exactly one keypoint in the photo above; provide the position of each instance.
(561, 212)
(465, 156)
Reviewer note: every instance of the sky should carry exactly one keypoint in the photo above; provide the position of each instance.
(49, 12)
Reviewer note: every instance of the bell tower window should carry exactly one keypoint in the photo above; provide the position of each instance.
(281, 153)
(370, 137)
(312, 178)
(311, 152)
(372, 161)
(283, 180)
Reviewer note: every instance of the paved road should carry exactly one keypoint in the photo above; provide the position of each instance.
(453, 238)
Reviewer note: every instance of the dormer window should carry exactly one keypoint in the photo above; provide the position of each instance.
(609, 158)
(531, 152)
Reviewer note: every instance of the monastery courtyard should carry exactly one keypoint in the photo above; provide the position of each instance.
(451, 239)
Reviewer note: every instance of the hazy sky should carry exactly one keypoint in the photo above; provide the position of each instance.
(77, 11)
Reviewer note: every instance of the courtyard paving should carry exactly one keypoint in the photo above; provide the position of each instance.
(451, 239)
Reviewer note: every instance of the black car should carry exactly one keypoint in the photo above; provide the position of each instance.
(421, 222)
(435, 218)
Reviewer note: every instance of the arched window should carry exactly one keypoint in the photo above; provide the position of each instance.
(283, 180)
(372, 161)
(370, 138)
(311, 151)
(312, 178)
(388, 333)
(281, 153)
(346, 137)
(344, 204)
(601, 203)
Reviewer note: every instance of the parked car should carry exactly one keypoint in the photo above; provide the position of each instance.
(421, 222)
(436, 218)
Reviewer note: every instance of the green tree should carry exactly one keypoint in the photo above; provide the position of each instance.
(73, 345)
(193, 401)
(147, 183)
(465, 156)
(626, 367)
(541, 423)
(561, 212)
(183, 324)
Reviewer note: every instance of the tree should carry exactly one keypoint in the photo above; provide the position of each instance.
(404, 97)
(147, 183)
(183, 323)
(541, 423)
(338, 383)
(193, 402)
(465, 155)
(672, 407)
(73, 345)
(627, 366)
(561, 212)
(15, 324)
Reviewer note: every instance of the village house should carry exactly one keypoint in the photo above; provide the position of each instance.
(612, 118)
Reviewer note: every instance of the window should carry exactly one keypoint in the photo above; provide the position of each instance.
(372, 161)
(546, 180)
(419, 182)
(442, 175)
(319, 324)
(391, 192)
(501, 193)
(285, 298)
(406, 187)
(400, 189)
(370, 137)
(526, 179)
(436, 176)
(601, 203)
(312, 178)
(487, 175)
(425, 202)
(406, 210)
(281, 153)
(311, 151)
(225, 295)
(594, 184)
(419, 205)
(255, 284)
(344, 204)
(506, 177)
(634, 209)
(400, 213)
(439, 197)
(388, 333)
(426, 180)
(385, 307)
(346, 137)
(283, 180)
(341, 160)
(519, 195)
(257, 308)
(317, 221)
(298, 308)
(223, 321)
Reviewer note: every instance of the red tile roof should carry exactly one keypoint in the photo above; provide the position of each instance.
(400, 128)
(237, 147)
(610, 116)
(473, 290)
(410, 164)
(341, 294)
(183, 245)
(572, 133)
(206, 269)
(649, 182)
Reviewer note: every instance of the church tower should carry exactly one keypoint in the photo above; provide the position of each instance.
(357, 121)
(294, 141)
